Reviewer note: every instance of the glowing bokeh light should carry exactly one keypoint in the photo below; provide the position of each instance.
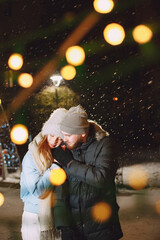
(68, 72)
(114, 34)
(142, 34)
(157, 206)
(19, 134)
(138, 178)
(103, 6)
(57, 176)
(25, 80)
(115, 98)
(15, 61)
(1, 199)
(75, 55)
(101, 212)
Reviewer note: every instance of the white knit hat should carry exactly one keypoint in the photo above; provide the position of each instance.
(52, 125)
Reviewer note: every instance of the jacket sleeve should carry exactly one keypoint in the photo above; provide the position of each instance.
(101, 168)
(35, 182)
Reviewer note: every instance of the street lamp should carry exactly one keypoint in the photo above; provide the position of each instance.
(56, 79)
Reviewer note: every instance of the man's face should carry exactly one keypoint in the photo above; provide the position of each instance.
(72, 140)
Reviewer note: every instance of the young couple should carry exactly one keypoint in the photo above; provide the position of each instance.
(66, 211)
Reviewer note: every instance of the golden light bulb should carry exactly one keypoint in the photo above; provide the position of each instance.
(157, 206)
(15, 61)
(68, 72)
(101, 212)
(1, 199)
(138, 178)
(19, 134)
(25, 80)
(115, 98)
(75, 55)
(114, 34)
(142, 34)
(103, 6)
(57, 176)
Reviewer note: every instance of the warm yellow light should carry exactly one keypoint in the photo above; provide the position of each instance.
(0, 101)
(15, 61)
(115, 98)
(157, 206)
(138, 178)
(25, 80)
(114, 34)
(19, 134)
(101, 212)
(1, 199)
(142, 34)
(68, 72)
(103, 6)
(75, 55)
(57, 176)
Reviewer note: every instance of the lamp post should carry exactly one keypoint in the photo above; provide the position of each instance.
(56, 79)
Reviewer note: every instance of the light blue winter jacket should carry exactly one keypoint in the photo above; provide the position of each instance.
(33, 183)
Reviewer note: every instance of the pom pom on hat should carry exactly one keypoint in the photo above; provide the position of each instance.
(52, 125)
(75, 121)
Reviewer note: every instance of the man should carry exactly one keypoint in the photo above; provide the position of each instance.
(91, 173)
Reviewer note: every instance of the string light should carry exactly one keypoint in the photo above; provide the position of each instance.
(142, 34)
(101, 212)
(138, 178)
(68, 72)
(75, 55)
(19, 134)
(25, 80)
(103, 6)
(114, 34)
(15, 61)
(57, 176)
(1, 199)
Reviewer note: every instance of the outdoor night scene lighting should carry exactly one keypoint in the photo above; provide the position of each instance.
(25, 80)
(114, 76)
(75, 55)
(19, 134)
(103, 6)
(68, 72)
(114, 34)
(15, 61)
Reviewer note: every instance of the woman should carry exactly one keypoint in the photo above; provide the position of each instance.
(36, 189)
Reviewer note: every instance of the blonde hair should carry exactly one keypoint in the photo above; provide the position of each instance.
(45, 154)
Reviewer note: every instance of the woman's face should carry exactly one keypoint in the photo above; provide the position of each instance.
(53, 141)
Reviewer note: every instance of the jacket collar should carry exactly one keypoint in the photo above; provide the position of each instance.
(96, 132)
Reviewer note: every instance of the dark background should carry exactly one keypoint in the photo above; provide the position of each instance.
(130, 72)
